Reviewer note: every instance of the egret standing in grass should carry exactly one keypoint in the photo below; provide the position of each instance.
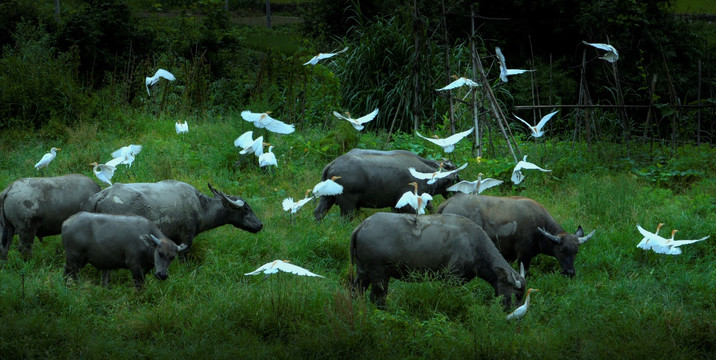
(417, 202)
(475, 187)
(314, 60)
(504, 71)
(328, 187)
(517, 175)
(537, 129)
(264, 121)
(448, 144)
(161, 73)
(47, 158)
(103, 172)
(611, 55)
(281, 265)
(268, 158)
(357, 123)
(522, 310)
(181, 128)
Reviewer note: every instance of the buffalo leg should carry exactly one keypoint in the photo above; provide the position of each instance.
(105, 277)
(138, 276)
(71, 269)
(27, 238)
(360, 283)
(379, 291)
(324, 204)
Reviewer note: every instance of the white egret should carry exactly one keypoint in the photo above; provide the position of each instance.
(448, 144)
(517, 175)
(417, 202)
(611, 54)
(646, 243)
(322, 56)
(504, 71)
(267, 158)
(281, 265)
(537, 130)
(103, 172)
(328, 187)
(161, 73)
(662, 245)
(459, 81)
(181, 128)
(522, 310)
(249, 145)
(127, 153)
(435, 176)
(293, 206)
(357, 123)
(47, 158)
(475, 187)
(264, 121)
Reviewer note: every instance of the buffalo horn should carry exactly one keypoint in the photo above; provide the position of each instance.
(522, 269)
(154, 238)
(517, 282)
(554, 238)
(583, 239)
(182, 248)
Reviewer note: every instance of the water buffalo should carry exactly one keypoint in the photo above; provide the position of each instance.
(520, 227)
(33, 207)
(389, 245)
(117, 242)
(179, 209)
(377, 179)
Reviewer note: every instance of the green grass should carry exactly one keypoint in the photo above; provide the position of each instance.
(623, 303)
(695, 7)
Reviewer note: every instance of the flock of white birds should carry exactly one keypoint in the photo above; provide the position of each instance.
(329, 187)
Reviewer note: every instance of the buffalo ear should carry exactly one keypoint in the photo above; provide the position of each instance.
(149, 240)
(579, 231)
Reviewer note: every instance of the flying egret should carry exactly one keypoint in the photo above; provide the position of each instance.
(522, 310)
(127, 153)
(475, 187)
(249, 145)
(322, 56)
(282, 265)
(504, 71)
(517, 175)
(357, 123)
(267, 158)
(264, 121)
(646, 243)
(662, 245)
(47, 158)
(537, 130)
(611, 54)
(181, 128)
(435, 176)
(459, 81)
(293, 206)
(103, 172)
(417, 202)
(161, 73)
(328, 187)
(448, 144)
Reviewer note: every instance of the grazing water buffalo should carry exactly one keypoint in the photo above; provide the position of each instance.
(389, 245)
(377, 179)
(117, 242)
(33, 207)
(520, 227)
(178, 209)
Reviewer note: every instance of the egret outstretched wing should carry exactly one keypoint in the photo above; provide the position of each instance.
(264, 121)
(161, 73)
(328, 187)
(504, 71)
(358, 123)
(448, 143)
(282, 265)
(314, 60)
(611, 55)
(462, 81)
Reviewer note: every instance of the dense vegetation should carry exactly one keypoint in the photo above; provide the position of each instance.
(79, 84)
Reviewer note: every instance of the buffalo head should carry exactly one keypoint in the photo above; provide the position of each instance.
(566, 247)
(509, 282)
(238, 212)
(165, 251)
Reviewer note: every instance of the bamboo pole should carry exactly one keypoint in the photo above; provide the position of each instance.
(447, 69)
(474, 56)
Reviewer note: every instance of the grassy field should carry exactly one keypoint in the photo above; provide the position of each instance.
(623, 303)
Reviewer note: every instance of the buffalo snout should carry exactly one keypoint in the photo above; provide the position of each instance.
(161, 275)
(568, 272)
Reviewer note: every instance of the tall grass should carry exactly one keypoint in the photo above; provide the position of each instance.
(623, 303)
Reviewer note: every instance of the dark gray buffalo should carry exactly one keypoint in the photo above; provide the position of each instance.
(377, 179)
(520, 227)
(178, 209)
(33, 207)
(111, 242)
(389, 245)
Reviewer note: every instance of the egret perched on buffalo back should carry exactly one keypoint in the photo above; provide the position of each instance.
(504, 71)
(281, 265)
(322, 56)
(434, 176)
(537, 129)
(103, 172)
(517, 175)
(522, 310)
(448, 144)
(47, 158)
(417, 202)
(127, 153)
(357, 123)
(328, 187)
(459, 81)
(611, 55)
(475, 187)
(181, 128)
(264, 121)
(161, 73)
